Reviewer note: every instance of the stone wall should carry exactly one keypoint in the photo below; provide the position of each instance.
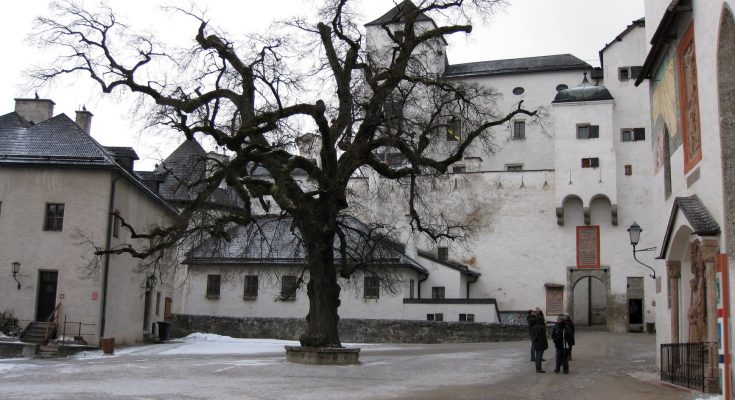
(352, 330)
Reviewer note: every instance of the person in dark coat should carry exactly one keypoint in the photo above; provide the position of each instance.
(560, 334)
(530, 319)
(570, 325)
(540, 343)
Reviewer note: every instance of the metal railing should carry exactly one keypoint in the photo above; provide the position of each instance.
(77, 328)
(684, 364)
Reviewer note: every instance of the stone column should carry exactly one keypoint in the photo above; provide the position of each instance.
(673, 270)
(708, 251)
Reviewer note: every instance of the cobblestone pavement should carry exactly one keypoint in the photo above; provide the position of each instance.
(605, 366)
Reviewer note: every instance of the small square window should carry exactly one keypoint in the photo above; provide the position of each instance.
(442, 253)
(470, 317)
(519, 130)
(429, 317)
(462, 317)
(438, 317)
(628, 169)
(54, 217)
(639, 134)
(437, 292)
(371, 289)
(250, 287)
(459, 169)
(288, 287)
(514, 167)
(590, 162)
(587, 131)
(454, 130)
(626, 135)
(213, 285)
(624, 73)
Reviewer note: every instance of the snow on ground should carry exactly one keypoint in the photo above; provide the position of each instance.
(201, 343)
(718, 397)
(13, 364)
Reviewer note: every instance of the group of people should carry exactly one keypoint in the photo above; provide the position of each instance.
(562, 334)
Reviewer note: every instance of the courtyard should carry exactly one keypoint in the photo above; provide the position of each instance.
(605, 366)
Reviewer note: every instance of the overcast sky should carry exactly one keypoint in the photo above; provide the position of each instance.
(525, 28)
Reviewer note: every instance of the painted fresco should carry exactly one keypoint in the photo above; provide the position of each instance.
(665, 110)
(689, 99)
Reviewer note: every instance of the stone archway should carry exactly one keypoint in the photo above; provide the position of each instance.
(581, 283)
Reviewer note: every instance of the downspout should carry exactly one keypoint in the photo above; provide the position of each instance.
(106, 264)
(469, 282)
(418, 285)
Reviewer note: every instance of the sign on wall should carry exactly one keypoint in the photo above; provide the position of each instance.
(554, 299)
(588, 246)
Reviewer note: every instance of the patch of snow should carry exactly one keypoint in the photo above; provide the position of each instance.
(718, 397)
(13, 365)
(208, 343)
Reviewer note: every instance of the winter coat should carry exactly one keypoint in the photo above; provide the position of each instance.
(570, 325)
(538, 336)
(561, 334)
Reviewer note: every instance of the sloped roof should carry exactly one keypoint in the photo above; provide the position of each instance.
(619, 38)
(463, 269)
(127, 152)
(558, 62)
(698, 217)
(59, 142)
(397, 14)
(271, 240)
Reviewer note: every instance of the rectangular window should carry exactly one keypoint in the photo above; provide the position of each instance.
(250, 287)
(288, 287)
(514, 167)
(593, 162)
(438, 317)
(158, 303)
(624, 73)
(628, 170)
(587, 131)
(371, 288)
(429, 317)
(639, 134)
(632, 134)
(168, 307)
(437, 292)
(213, 285)
(519, 130)
(454, 130)
(462, 317)
(54, 217)
(588, 246)
(442, 253)
(626, 135)
(115, 224)
(470, 317)
(1, 207)
(459, 169)
(411, 284)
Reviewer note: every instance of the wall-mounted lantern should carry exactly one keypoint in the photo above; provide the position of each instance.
(15, 265)
(635, 235)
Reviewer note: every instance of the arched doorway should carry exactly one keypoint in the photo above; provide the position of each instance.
(589, 296)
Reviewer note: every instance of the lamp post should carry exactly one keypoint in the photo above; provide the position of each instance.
(634, 231)
(150, 282)
(15, 265)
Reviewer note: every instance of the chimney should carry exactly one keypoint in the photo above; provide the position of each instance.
(84, 120)
(35, 110)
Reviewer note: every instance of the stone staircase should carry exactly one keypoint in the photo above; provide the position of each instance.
(35, 332)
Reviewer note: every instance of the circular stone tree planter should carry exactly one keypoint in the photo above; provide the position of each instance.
(322, 355)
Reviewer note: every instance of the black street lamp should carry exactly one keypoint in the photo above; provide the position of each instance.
(635, 235)
(15, 265)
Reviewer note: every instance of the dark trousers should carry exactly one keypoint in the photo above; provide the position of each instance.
(561, 360)
(569, 353)
(539, 356)
(533, 351)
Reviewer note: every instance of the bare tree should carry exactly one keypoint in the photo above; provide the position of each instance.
(384, 110)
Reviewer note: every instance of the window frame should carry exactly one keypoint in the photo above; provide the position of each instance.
(250, 284)
(438, 292)
(517, 167)
(371, 287)
(214, 286)
(55, 222)
(591, 162)
(593, 131)
(459, 169)
(454, 130)
(290, 287)
(442, 253)
(519, 129)
(627, 72)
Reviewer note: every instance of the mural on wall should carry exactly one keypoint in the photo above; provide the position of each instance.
(689, 100)
(665, 110)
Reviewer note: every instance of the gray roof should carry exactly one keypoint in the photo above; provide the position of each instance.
(127, 152)
(272, 240)
(559, 62)
(59, 142)
(397, 14)
(698, 217)
(583, 92)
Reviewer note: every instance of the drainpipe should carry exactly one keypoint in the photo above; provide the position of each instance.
(418, 284)
(106, 264)
(469, 282)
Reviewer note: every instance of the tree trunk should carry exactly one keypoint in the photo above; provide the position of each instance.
(323, 289)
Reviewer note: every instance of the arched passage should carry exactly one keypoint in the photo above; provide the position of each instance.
(589, 296)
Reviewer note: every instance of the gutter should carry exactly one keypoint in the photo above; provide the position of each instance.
(108, 245)
(469, 282)
(418, 285)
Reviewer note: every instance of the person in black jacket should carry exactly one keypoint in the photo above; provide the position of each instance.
(529, 318)
(540, 343)
(570, 325)
(560, 334)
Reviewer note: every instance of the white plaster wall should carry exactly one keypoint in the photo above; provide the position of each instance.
(569, 151)
(483, 312)
(440, 275)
